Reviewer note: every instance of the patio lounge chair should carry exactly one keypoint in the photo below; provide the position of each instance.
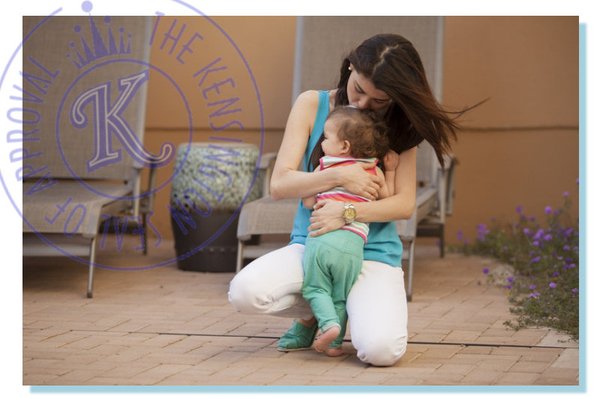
(74, 183)
(315, 67)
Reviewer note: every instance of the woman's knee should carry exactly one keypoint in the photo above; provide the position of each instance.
(237, 295)
(382, 352)
(270, 284)
(245, 296)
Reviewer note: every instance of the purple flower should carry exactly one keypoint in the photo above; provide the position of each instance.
(566, 248)
(519, 209)
(536, 243)
(547, 237)
(482, 231)
(532, 287)
(534, 294)
(555, 274)
(552, 285)
(460, 236)
(510, 279)
(571, 266)
(526, 231)
(485, 270)
(538, 234)
(568, 232)
(548, 210)
(566, 194)
(575, 291)
(536, 259)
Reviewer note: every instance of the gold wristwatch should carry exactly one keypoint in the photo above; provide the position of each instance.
(349, 214)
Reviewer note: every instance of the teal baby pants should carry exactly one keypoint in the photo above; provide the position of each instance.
(332, 263)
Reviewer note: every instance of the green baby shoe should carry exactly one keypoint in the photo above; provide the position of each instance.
(298, 338)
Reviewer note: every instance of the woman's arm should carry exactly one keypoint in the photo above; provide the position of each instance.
(390, 181)
(387, 188)
(310, 201)
(400, 205)
(288, 182)
(327, 215)
(390, 163)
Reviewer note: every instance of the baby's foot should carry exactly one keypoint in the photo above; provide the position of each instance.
(322, 342)
(334, 352)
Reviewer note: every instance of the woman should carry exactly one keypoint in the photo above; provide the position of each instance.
(384, 74)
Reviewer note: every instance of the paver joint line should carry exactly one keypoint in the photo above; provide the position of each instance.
(463, 344)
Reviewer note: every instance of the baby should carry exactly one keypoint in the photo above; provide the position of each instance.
(332, 261)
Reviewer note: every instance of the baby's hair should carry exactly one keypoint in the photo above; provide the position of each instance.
(364, 129)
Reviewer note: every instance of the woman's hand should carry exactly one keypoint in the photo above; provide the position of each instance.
(326, 217)
(391, 161)
(358, 181)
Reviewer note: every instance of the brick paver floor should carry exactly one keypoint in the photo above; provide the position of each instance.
(165, 326)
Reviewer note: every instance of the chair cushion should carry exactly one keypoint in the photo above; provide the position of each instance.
(267, 216)
(71, 208)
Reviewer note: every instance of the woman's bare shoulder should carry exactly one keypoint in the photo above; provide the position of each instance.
(303, 112)
(308, 98)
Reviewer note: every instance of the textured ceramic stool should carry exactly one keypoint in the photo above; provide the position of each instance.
(210, 184)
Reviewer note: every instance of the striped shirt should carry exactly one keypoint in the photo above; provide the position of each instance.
(342, 195)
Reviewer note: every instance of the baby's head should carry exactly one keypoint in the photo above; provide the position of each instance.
(350, 131)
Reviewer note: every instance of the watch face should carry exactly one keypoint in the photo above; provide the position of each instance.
(349, 214)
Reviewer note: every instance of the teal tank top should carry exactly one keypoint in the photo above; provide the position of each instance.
(383, 243)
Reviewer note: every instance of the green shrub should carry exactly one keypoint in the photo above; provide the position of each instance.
(544, 255)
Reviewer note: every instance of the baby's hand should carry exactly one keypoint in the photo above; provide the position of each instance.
(391, 161)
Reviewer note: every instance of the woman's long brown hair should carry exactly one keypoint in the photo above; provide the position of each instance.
(393, 65)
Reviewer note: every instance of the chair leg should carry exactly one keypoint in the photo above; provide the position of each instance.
(91, 268)
(411, 258)
(145, 233)
(240, 256)
(442, 242)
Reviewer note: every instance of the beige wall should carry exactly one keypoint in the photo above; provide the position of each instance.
(519, 148)
(266, 43)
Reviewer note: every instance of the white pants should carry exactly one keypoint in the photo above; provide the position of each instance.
(377, 309)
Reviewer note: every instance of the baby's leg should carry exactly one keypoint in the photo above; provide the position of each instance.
(317, 289)
(335, 347)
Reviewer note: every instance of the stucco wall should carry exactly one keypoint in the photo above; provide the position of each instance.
(519, 148)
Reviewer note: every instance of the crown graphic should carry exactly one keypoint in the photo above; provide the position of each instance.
(101, 45)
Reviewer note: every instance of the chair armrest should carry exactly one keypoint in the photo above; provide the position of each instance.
(449, 161)
(407, 228)
(266, 164)
(266, 159)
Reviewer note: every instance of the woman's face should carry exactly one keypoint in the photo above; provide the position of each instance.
(363, 94)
